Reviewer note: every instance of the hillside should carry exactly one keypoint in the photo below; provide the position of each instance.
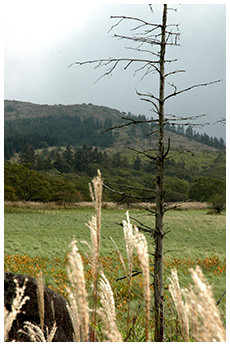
(43, 126)
(26, 110)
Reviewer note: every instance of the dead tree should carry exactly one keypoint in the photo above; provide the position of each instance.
(156, 36)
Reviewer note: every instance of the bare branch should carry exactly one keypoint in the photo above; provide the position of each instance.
(124, 194)
(151, 8)
(166, 232)
(116, 24)
(143, 152)
(143, 51)
(221, 298)
(148, 69)
(173, 72)
(221, 121)
(154, 131)
(132, 122)
(173, 85)
(135, 272)
(149, 40)
(191, 87)
(114, 62)
(181, 152)
(191, 117)
(147, 100)
(133, 18)
(139, 39)
(151, 101)
(173, 207)
(191, 124)
(136, 188)
(172, 9)
(167, 151)
(105, 62)
(146, 228)
(148, 95)
(150, 211)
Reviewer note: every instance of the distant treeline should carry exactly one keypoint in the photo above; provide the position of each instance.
(199, 137)
(61, 130)
(63, 175)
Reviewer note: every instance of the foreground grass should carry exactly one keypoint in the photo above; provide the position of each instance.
(39, 240)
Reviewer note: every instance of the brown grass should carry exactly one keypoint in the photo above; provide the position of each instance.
(104, 205)
(198, 313)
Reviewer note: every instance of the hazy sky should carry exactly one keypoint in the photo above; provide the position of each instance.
(42, 38)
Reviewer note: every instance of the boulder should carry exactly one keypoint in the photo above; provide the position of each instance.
(55, 309)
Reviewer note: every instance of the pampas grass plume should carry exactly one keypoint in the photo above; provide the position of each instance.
(76, 275)
(199, 314)
(107, 311)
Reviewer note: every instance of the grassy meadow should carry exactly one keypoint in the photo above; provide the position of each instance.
(38, 239)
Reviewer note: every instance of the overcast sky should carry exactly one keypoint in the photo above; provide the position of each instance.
(42, 38)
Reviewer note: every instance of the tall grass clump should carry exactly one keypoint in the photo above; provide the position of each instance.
(78, 297)
(36, 334)
(135, 240)
(95, 227)
(128, 235)
(107, 310)
(79, 308)
(198, 313)
(141, 247)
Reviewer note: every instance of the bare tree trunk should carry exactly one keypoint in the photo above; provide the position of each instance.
(159, 231)
(156, 63)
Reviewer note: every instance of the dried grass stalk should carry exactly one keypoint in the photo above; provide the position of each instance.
(40, 297)
(203, 315)
(16, 307)
(94, 247)
(174, 289)
(74, 315)
(36, 334)
(141, 246)
(76, 276)
(95, 228)
(120, 256)
(107, 312)
(96, 195)
(128, 235)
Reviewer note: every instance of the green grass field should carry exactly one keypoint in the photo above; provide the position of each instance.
(39, 240)
(48, 233)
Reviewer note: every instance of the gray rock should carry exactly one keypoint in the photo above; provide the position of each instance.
(64, 332)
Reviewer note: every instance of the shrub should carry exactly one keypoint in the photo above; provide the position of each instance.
(218, 202)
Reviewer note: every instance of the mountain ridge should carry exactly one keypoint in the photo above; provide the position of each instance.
(17, 111)
(20, 109)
